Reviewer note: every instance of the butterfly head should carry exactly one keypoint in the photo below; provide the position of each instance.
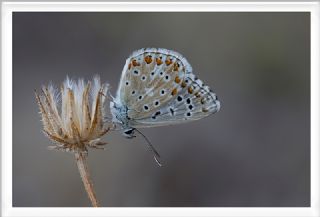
(120, 117)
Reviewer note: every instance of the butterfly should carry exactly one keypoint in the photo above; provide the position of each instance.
(158, 88)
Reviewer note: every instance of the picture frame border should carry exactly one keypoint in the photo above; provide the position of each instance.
(6, 104)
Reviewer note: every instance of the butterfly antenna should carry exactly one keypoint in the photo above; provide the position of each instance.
(156, 155)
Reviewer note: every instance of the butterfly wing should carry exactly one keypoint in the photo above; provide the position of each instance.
(157, 87)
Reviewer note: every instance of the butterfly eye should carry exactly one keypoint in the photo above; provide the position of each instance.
(128, 132)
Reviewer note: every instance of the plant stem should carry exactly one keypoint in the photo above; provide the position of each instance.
(81, 159)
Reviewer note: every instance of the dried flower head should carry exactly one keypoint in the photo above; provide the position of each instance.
(73, 118)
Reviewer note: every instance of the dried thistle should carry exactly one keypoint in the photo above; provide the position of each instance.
(73, 120)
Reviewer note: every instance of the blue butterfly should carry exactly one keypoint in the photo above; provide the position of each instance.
(158, 88)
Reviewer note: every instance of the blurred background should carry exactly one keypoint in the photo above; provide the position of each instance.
(254, 152)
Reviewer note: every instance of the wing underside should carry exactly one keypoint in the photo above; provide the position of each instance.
(159, 88)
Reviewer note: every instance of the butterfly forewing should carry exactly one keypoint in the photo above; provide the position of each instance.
(158, 88)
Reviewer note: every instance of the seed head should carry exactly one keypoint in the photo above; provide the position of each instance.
(73, 117)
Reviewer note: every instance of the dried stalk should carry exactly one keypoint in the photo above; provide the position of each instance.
(81, 159)
(75, 127)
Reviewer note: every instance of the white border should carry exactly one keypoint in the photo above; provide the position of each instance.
(161, 6)
(6, 110)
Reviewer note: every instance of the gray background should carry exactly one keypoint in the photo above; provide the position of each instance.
(254, 152)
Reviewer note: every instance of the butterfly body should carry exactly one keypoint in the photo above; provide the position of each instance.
(158, 88)
(120, 116)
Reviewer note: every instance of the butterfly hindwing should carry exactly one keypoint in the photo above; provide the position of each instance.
(158, 87)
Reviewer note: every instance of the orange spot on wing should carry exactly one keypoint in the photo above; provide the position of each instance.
(176, 66)
(174, 91)
(135, 63)
(177, 79)
(168, 62)
(190, 90)
(129, 66)
(159, 61)
(148, 59)
(183, 84)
